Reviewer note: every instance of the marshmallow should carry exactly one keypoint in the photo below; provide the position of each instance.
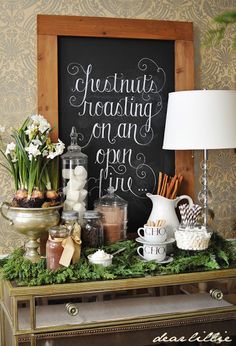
(81, 172)
(82, 195)
(192, 239)
(68, 205)
(76, 184)
(73, 195)
(77, 196)
(79, 207)
(67, 173)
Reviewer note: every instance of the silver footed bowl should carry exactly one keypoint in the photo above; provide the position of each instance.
(31, 222)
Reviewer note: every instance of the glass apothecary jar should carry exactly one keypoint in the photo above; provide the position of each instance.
(54, 247)
(74, 176)
(92, 229)
(114, 216)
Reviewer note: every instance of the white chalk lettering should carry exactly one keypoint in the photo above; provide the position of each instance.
(121, 110)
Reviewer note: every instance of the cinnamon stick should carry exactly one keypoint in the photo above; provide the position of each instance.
(173, 196)
(180, 178)
(159, 183)
(171, 186)
(163, 189)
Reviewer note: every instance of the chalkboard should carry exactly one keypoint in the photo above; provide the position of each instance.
(115, 92)
(130, 65)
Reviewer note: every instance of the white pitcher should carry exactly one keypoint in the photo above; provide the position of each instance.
(164, 208)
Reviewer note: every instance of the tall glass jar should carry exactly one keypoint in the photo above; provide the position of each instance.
(54, 246)
(74, 175)
(114, 216)
(92, 229)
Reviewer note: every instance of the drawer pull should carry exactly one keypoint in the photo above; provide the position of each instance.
(216, 294)
(72, 309)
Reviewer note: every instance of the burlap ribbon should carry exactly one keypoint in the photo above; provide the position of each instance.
(72, 247)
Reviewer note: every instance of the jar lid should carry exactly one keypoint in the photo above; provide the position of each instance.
(58, 231)
(69, 215)
(92, 214)
(73, 150)
(110, 199)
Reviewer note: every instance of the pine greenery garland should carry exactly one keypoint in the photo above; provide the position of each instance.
(220, 254)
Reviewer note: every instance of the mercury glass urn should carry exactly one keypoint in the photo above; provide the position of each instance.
(31, 222)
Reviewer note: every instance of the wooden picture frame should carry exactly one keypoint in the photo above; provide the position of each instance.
(50, 27)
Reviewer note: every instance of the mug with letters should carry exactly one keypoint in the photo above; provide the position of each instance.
(151, 252)
(152, 234)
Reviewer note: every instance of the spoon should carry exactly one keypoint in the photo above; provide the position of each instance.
(118, 251)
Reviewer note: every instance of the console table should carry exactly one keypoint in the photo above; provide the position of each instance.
(132, 312)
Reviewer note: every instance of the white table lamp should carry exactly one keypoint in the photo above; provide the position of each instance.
(201, 119)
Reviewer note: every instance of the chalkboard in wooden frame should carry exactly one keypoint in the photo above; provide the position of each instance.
(58, 34)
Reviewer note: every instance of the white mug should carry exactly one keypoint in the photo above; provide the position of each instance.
(151, 252)
(152, 234)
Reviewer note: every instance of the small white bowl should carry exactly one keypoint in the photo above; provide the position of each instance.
(104, 262)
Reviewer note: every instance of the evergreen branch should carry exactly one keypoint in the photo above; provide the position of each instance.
(221, 254)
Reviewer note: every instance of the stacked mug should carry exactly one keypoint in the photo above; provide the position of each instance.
(154, 241)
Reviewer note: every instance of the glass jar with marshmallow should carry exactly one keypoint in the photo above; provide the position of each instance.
(74, 176)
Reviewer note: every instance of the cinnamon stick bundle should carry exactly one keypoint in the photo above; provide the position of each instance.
(169, 186)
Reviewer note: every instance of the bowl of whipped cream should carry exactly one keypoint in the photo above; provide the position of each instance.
(100, 257)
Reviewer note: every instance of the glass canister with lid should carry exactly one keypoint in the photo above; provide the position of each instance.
(114, 216)
(92, 229)
(74, 175)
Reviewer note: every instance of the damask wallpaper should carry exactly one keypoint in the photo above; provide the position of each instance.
(215, 68)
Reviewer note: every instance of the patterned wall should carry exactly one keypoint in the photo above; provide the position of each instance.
(215, 68)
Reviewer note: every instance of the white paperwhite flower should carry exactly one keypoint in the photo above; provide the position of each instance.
(60, 146)
(45, 153)
(11, 147)
(32, 144)
(51, 155)
(38, 125)
(42, 124)
(33, 151)
(2, 129)
(31, 130)
(11, 150)
(36, 142)
(56, 149)
(14, 158)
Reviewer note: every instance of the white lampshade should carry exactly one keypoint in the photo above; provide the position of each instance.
(201, 119)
